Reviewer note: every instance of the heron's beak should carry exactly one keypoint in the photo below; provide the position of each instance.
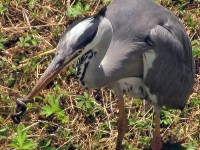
(56, 66)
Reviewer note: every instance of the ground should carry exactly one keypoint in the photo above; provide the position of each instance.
(64, 115)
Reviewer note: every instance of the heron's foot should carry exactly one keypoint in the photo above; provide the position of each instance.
(156, 143)
(122, 127)
(19, 110)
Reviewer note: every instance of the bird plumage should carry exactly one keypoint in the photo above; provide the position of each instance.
(146, 29)
(136, 47)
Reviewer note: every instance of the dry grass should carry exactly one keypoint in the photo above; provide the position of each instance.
(21, 66)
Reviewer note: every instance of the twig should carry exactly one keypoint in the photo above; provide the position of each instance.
(27, 19)
(68, 3)
(96, 7)
(107, 115)
(38, 26)
(72, 3)
(28, 127)
(67, 142)
(3, 88)
(24, 62)
(186, 4)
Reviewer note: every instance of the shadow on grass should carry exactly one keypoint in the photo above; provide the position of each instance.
(170, 146)
(173, 146)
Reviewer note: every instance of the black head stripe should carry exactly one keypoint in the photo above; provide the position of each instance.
(88, 34)
(73, 24)
(102, 12)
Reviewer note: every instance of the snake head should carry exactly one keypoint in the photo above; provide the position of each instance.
(19, 110)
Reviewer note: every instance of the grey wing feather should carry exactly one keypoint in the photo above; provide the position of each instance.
(122, 60)
(172, 85)
(172, 75)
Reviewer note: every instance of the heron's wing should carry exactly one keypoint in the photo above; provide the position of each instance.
(142, 25)
(123, 59)
(172, 74)
(132, 21)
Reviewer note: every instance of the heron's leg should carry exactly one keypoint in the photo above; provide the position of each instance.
(122, 122)
(157, 141)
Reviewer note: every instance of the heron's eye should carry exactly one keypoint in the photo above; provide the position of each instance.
(79, 51)
(60, 62)
(148, 40)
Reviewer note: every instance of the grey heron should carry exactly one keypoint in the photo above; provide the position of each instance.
(135, 47)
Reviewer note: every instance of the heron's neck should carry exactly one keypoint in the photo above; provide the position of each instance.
(89, 72)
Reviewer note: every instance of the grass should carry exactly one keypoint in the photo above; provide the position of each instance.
(64, 115)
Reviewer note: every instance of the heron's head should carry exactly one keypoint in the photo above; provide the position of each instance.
(74, 42)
